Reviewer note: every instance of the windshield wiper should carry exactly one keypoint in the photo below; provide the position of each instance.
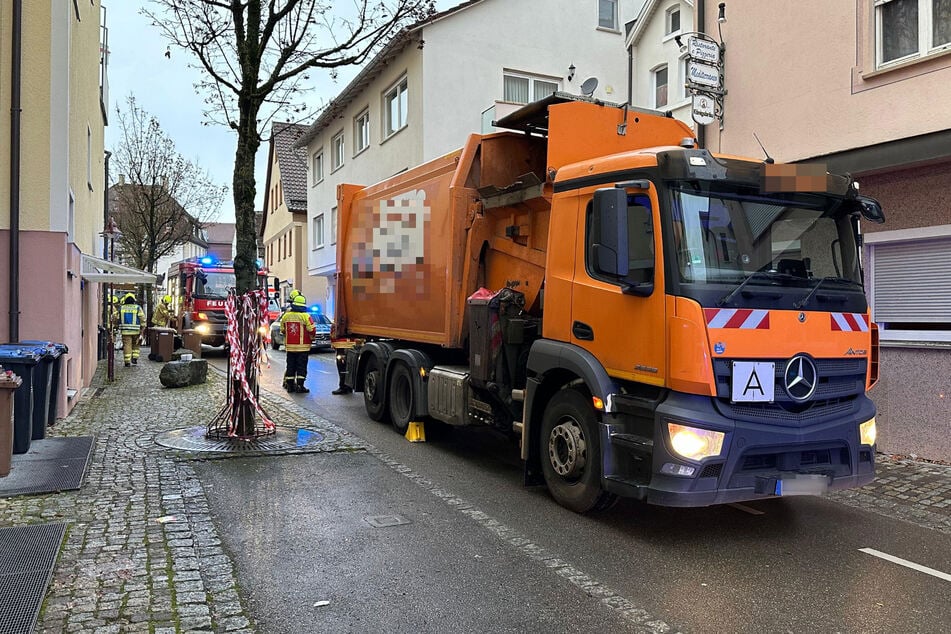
(839, 280)
(769, 275)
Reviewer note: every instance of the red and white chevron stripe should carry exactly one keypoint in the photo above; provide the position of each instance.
(742, 318)
(849, 322)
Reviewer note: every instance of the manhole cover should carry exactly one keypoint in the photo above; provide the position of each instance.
(385, 521)
(193, 439)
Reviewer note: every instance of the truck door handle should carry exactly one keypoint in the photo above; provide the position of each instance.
(582, 331)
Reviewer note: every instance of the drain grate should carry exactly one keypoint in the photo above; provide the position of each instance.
(27, 557)
(284, 439)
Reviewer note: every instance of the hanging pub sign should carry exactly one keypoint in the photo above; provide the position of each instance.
(704, 109)
(703, 50)
(703, 74)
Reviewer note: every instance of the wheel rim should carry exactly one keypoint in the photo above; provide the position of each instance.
(567, 450)
(370, 385)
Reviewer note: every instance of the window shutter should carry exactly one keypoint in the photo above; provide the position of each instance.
(911, 281)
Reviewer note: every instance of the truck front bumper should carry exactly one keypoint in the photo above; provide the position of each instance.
(757, 460)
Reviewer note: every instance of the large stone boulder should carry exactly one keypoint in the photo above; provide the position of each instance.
(184, 373)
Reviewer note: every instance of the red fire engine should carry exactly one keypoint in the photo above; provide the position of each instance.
(199, 287)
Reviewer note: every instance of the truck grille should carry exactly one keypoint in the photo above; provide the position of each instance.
(841, 381)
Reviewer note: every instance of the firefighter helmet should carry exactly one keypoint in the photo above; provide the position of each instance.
(167, 299)
(127, 297)
(299, 300)
(294, 294)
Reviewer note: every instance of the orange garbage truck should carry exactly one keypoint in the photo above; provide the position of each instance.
(649, 319)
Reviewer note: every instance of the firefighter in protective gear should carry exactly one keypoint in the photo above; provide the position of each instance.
(131, 325)
(161, 315)
(114, 313)
(298, 329)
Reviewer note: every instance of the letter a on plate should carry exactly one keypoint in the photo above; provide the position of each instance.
(753, 381)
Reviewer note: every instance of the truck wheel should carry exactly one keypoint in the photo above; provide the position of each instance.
(373, 390)
(570, 451)
(275, 344)
(401, 398)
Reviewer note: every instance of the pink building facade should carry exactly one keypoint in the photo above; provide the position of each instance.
(862, 86)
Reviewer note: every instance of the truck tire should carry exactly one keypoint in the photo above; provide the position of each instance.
(570, 450)
(401, 398)
(373, 390)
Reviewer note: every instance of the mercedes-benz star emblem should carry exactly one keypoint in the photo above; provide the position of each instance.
(800, 378)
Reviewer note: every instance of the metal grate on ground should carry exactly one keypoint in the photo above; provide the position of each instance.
(284, 439)
(51, 465)
(27, 557)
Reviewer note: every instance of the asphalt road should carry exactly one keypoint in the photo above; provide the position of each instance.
(480, 552)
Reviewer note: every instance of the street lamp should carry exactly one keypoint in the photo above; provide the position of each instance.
(111, 233)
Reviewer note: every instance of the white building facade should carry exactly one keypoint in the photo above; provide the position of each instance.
(448, 77)
(658, 65)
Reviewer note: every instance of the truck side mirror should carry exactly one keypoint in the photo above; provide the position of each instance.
(277, 284)
(610, 231)
(871, 209)
(182, 281)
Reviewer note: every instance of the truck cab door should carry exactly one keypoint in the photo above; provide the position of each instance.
(618, 306)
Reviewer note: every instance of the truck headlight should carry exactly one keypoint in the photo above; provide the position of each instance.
(694, 443)
(202, 316)
(203, 329)
(867, 432)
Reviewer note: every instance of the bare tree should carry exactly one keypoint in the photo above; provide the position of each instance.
(255, 54)
(162, 198)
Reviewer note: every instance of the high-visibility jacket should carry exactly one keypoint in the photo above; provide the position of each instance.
(297, 328)
(160, 315)
(131, 319)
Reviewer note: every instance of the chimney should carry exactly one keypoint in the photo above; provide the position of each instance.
(122, 179)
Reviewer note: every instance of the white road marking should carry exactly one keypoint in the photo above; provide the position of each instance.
(906, 563)
(747, 509)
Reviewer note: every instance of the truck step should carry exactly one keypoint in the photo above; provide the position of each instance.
(641, 447)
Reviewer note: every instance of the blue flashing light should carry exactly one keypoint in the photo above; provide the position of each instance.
(207, 260)
(315, 308)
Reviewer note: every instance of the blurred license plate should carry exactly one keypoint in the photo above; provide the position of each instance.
(803, 484)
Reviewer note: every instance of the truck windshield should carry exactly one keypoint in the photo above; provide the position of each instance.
(737, 247)
(214, 285)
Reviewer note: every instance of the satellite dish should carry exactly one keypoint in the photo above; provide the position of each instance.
(589, 86)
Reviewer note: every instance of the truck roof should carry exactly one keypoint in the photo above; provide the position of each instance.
(533, 118)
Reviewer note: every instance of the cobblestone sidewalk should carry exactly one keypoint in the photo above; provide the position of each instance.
(142, 554)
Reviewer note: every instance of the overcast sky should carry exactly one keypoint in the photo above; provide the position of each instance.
(164, 87)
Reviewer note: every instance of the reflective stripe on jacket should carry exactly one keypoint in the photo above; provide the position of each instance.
(297, 328)
(131, 318)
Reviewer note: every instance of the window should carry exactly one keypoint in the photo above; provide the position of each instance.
(673, 20)
(607, 14)
(394, 108)
(361, 132)
(318, 232)
(660, 86)
(526, 88)
(906, 29)
(910, 292)
(640, 242)
(333, 226)
(290, 244)
(336, 159)
(317, 166)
